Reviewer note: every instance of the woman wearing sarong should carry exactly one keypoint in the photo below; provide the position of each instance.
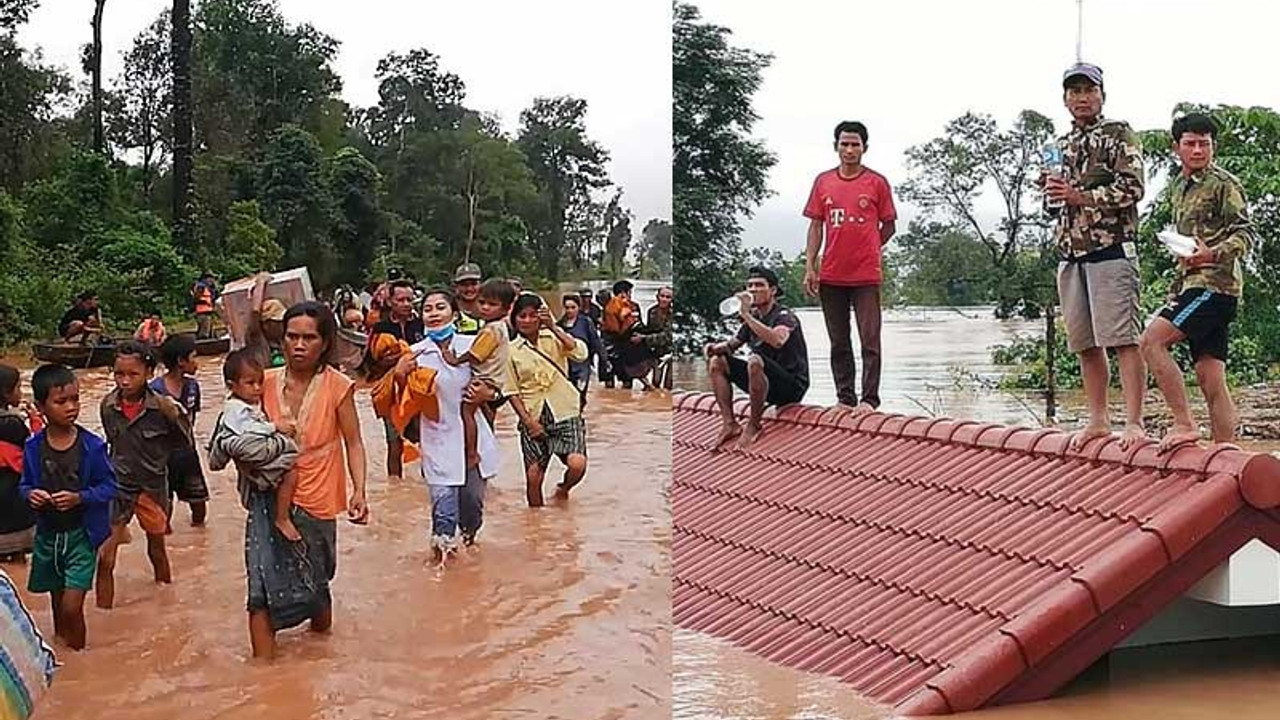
(289, 582)
(545, 399)
(457, 490)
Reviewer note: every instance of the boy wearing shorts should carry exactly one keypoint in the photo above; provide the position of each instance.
(489, 357)
(144, 429)
(68, 480)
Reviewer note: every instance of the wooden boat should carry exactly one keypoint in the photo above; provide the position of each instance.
(88, 356)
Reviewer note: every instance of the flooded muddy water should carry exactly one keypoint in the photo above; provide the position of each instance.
(922, 351)
(934, 361)
(561, 612)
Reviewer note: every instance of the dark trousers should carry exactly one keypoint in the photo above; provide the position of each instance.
(204, 326)
(605, 362)
(865, 303)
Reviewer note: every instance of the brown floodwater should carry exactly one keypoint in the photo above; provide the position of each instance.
(937, 362)
(561, 612)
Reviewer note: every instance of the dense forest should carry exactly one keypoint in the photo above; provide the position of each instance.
(225, 145)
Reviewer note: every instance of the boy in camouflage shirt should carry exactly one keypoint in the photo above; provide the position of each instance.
(1096, 230)
(1209, 205)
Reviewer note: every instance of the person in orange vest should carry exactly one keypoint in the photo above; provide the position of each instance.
(151, 330)
(203, 296)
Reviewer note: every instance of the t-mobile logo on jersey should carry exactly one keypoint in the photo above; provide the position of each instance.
(836, 215)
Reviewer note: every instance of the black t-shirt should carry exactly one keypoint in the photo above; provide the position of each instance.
(410, 332)
(15, 513)
(61, 471)
(793, 356)
(77, 312)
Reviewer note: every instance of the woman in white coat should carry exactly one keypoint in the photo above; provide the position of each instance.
(457, 491)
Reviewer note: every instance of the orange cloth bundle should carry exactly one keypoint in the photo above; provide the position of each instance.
(619, 316)
(401, 403)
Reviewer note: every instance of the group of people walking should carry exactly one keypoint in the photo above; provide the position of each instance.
(440, 363)
(1093, 202)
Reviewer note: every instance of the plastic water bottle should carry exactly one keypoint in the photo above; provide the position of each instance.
(1051, 159)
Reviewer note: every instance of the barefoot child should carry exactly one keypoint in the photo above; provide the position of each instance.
(17, 521)
(263, 451)
(69, 481)
(144, 430)
(489, 357)
(186, 478)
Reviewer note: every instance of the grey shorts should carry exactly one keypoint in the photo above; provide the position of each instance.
(1100, 303)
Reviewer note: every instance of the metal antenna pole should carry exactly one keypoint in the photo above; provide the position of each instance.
(1079, 27)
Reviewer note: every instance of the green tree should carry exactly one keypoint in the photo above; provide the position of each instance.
(73, 209)
(141, 117)
(719, 172)
(654, 254)
(941, 265)
(240, 105)
(973, 156)
(949, 173)
(294, 194)
(497, 186)
(567, 168)
(355, 186)
(251, 243)
(11, 233)
(15, 12)
(184, 199)
(617, 223)
(29, 93)
(414, 94)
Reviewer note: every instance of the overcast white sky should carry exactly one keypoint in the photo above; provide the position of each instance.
(616, 55)
(907, 67)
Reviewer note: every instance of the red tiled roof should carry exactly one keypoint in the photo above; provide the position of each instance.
(939, 565)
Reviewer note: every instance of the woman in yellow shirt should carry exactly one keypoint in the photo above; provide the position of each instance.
(544, 398)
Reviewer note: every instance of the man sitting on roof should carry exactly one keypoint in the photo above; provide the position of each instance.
(776, 372)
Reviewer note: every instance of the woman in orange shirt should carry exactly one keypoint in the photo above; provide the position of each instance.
(288, 582)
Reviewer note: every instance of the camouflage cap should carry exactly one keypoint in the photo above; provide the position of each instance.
(1092, 73)
(467, 271)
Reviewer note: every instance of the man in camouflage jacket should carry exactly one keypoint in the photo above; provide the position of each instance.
(1208, 204)
(1095, 204)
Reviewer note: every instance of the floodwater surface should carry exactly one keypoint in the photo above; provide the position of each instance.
(560, 612)
(937, 362)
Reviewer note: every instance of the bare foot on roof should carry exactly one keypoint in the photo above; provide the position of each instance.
(750, 435)
(1081, 438)
(728, 431)
(1132, 435)
(1177, 437)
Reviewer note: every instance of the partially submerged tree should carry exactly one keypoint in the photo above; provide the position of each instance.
(974, 157)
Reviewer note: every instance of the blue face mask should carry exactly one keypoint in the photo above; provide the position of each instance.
(441, 334)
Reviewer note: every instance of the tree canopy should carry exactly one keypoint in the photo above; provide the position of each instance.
(277, 170)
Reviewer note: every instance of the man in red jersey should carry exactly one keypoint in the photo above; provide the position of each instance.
(854, 205)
